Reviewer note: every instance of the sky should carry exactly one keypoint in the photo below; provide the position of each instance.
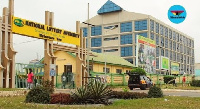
(67, 12)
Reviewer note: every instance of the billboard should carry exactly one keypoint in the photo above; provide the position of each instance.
(164, 63)
(41, 31)
(174, 68)
(146, 54)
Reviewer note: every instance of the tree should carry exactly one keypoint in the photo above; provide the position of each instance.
(138, 70)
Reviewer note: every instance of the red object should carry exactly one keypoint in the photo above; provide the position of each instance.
(183, 79)
(30, 77)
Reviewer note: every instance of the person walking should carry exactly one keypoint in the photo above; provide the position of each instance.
(30, 79)
(184, 80)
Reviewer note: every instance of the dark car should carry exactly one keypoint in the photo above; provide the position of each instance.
(139, 81)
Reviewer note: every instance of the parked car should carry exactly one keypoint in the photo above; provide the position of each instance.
(139, 81)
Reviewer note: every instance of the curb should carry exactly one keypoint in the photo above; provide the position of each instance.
(179, 90)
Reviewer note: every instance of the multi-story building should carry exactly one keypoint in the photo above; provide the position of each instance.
(114, 32)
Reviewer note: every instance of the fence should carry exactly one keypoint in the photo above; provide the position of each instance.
(122, 79)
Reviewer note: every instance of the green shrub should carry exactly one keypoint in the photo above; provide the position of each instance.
(128, 95)
(195, 83)
(155, 92)
(49, 85)
(139, 71)
(94, 92)
(38, 94)
(168, 79)
(61, 98)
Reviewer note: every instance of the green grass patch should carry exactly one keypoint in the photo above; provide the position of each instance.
(179, 86)
(168, 102)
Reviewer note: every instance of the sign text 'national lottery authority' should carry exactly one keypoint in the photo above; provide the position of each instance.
(41, 31)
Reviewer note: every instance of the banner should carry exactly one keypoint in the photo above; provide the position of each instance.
(52, 70)
(164, 63)
(41, 31)
(146, 54)
(174, 68)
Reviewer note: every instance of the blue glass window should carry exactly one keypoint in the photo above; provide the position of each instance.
(177, 37)
(166, 53)
(157, 40)
(140, 25)
(162, 52)
(126, 51)
(170, 34)
(174, 46)
(126, 39)
(152, 36)
(157, 27)
(96, 30)
(166, 43)
(96, 42)
(142, 34)
(96, 50)
(130, 60)
(152, 25)
(157, 63)
(157, 52)
(170, 55)
(170, 44)
(162, 41)
(174, 35)
(161, 29)
(166, 32)
(85, 32)
(126, 27)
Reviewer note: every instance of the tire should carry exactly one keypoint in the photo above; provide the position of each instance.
(131, 88)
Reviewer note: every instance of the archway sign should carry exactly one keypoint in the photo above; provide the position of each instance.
(9, 25)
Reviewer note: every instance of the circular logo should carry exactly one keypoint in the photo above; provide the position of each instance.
(19, 22)
(177, 14)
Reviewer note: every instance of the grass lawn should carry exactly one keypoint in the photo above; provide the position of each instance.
(148, 103)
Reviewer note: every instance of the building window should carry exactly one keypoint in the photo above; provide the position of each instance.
(166, 43)
(177, 47)
(162, 41)
(152, 25)
(119, 71)
(174, 46)
(161, 29)
(170, 55)
(96, 30)
(96, 42)
(157, 40)
(140, 25)
(162, 52)
(130, 60)
(166, 32)
(111, 50)
(170, 33)
(126, 51)
(177, 37)
(166, 53)
(181, 58)
(111, 38)
(178, 57)
(181, 39)
(152, 36)
(157, 52)
(142, 34)
(126, 27)
(157, 27)
(170, 44)
(126, 39)
(157, 63)
(85, 32)
(107, 70)
(174, 35)
(96, 50)
(174, 56)
(181, 48)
